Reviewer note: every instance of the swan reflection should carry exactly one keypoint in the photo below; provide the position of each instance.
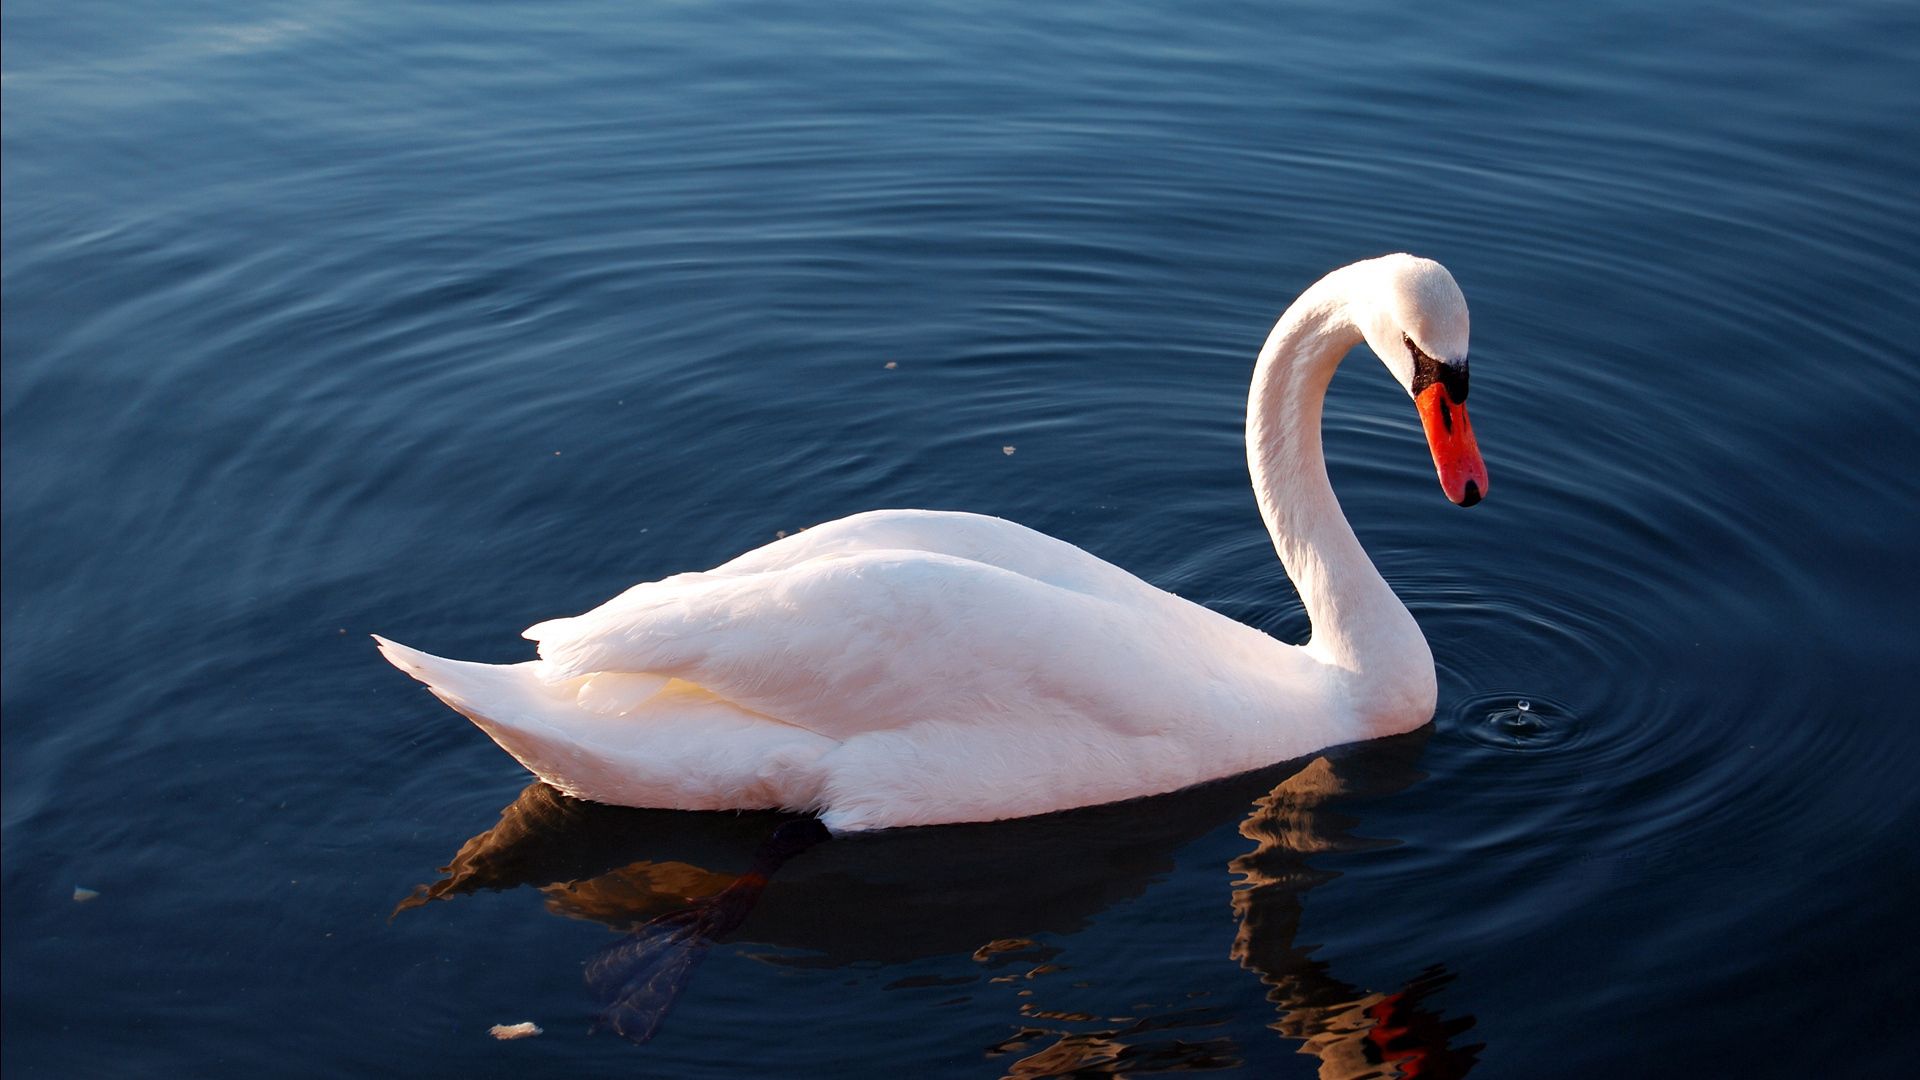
(1354, 1032)
(672, 881)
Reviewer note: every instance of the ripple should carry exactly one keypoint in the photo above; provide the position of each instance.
(1517, 722)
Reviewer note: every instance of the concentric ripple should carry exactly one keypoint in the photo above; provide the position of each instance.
(1516, 721)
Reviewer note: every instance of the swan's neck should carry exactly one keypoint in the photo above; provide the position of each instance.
(1359, 625)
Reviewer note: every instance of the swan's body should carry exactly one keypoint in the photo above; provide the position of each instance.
(909, 667)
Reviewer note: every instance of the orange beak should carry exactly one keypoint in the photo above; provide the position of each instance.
(1463, 476)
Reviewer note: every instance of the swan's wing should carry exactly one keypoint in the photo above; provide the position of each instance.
(847, 643)
(973, 537)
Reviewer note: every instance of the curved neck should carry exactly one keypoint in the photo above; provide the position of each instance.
(1357, 620)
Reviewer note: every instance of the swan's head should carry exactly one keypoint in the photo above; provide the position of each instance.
(1414, 318)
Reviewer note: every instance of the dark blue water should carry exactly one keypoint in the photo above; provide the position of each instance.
(434, 320)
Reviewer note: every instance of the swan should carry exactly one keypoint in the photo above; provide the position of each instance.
(919, 667)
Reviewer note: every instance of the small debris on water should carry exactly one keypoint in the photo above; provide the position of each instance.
(526, 1029)
(82, 894)
(1007, 450)
(891, 364)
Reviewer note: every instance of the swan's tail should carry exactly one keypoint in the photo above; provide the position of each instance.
(540, 723)
(618, 737)
(465, 686)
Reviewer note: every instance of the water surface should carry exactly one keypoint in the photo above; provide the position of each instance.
(439, 319)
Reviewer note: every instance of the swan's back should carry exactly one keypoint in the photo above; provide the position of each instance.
(974, 537)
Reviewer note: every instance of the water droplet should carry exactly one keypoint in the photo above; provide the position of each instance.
(1506, 721)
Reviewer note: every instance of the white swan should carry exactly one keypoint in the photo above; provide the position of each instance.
(912, 667)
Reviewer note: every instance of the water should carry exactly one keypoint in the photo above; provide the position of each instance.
(435, 320)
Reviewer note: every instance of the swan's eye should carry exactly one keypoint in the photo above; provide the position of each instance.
(1427, 371)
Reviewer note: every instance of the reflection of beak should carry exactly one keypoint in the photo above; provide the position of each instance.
(1463, 476)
